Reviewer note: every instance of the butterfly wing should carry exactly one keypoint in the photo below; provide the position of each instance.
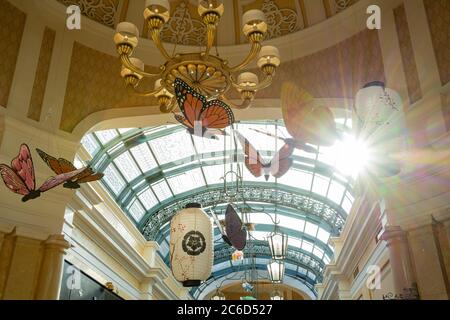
(189, 101)
(181, 119)
(51, 162)
(253, 160)
(12, 180)
(234, 228)
(90, 178)
(59, 179)
(216, 115)
(281, 162)
(296, 104)
(22, 165)
(319, 127)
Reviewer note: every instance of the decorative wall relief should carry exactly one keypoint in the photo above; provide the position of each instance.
(184, 26)
(12, 23)
(438, 12)
(279, 21)
(407, 53)
(40, 80)
(103, 11)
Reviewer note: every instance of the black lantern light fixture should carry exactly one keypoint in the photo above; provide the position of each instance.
(276, 271)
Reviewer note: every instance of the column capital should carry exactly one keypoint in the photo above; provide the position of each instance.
(57, 241)
(392, 233)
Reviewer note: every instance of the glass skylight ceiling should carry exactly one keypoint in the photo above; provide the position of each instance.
(149, 169)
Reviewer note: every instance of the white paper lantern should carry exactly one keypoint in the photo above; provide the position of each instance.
(381, 124)
(191, 245)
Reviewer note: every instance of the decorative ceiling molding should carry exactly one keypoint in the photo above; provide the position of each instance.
(103, 11)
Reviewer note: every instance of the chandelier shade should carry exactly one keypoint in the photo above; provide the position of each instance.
(208, 74)
(276, 295)
(276, 271)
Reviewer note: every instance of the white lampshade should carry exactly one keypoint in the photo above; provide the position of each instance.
(211, 5)
(157, 8)
(278, 243)
(248, 79)
(127, 72)
(276, 271)
(254, 21)
(269, 55)
(191, 245)
(276, 295)
(126, 32)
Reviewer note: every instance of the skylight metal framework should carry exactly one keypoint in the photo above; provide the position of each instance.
(153, 172)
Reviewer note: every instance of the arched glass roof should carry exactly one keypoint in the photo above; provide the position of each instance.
(153, 172)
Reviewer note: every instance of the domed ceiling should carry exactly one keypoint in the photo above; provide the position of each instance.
(185, 26)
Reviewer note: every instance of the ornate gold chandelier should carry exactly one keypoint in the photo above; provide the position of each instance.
(209, 74)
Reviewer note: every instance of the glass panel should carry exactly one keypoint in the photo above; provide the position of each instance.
(327, 155)
(336, 192)
(318, 252)
(137, 211)
(161, 190)
(312, 276)
(326, 260)
(164, 248)
(311, 229)
(294, 242)
(113, 179)
(175, 146)
(204, 145)
(301, 270)
(298, 179)
(307, 246)
(213, 174)
(220, 266)
(127, 166)
(320, 185)
(143, 157)
(347, 204)
(291, 223)
(260, 235)
(90, 144)
(106, 135)
(323, 235)
(187, 181)
(148, 199)
(291, 266)
(122, 131)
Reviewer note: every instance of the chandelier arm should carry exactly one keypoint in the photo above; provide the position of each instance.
(244, 105)
(125, 59)
(133, 90)
(211, 34)
(262, 85)
(156, 37)
(254, 51)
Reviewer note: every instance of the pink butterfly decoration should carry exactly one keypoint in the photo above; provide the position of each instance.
(20, 177)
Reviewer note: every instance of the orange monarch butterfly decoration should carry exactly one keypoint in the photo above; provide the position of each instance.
(20, 176)
(196, 110)
(306, 120)
(278, 166)
(61, 165)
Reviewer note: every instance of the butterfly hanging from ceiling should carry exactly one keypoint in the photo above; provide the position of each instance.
(62, 165)
(235, 232)
(305, 119)
(296, 144)
(20, 176)
(277, 167)
(200, 115)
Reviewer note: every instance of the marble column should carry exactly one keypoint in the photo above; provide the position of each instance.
(49, 281)
(400, 262)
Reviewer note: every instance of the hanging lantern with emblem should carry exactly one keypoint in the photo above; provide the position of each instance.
(381, 125)
(191, 245)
